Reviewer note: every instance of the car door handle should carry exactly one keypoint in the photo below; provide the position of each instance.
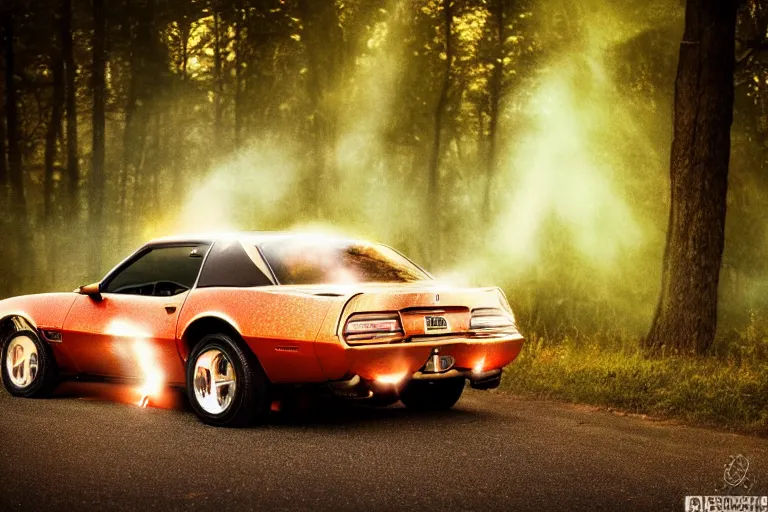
(170, 308)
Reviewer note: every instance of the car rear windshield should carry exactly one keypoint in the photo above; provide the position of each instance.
(310, 261)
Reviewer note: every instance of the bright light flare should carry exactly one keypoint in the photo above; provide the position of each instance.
(478, 368)
(152, 374)
(123, 329)
(391, 379)
(144, 355)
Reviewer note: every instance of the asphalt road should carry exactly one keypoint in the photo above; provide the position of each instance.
(492, 452)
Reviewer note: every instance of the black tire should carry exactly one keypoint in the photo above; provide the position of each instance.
(432, 395)
(250, 402)
(46, 372)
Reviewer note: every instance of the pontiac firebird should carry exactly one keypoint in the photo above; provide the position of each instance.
(233, 318)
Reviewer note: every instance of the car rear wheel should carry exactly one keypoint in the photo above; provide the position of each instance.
(29, 368)
(226, 385)
(432, 395)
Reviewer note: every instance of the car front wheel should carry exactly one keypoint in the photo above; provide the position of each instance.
(29, 369)
(226, 385)
(434, 395)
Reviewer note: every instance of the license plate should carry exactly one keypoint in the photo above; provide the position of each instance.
(435, 323)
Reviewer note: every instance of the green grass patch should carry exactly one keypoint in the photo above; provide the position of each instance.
(728, 393)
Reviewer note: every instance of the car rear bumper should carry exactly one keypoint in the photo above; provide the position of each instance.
(477, 357)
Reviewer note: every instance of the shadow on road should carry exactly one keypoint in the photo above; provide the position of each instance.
(300, 409)
(329, 412)
(169, 398)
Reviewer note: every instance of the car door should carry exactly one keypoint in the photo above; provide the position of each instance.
(130, 331)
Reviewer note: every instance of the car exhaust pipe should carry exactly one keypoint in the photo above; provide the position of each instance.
(353, 388)
(486, 380)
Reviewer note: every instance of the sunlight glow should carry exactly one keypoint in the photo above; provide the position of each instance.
(391, 379)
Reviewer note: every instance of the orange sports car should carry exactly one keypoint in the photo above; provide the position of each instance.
(232, 318)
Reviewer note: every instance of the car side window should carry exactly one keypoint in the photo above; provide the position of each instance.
(229, 264)
(160, 272)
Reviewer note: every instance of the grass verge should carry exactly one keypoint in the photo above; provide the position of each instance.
(701, 390)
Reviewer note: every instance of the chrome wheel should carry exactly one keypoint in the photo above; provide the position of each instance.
(21, 361)
(215, 381)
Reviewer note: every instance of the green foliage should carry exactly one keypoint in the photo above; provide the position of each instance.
(747, 342)
(321, 113)
(614, 373)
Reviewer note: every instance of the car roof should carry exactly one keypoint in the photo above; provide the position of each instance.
(254, 237)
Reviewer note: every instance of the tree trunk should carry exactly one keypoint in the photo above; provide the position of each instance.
(185, 29)
(217, 78)
(158, 164)
(99, 97)
(51, 142)
(73, 165)
(495, 100)
(5, 221)
(129, 154)
(15, 170)
(18, 203)
(3, 160)
(433, 189)
(179, 117)
(686, 314)
(54, 129)
(322, 39)
(139, 200)
(238, 72)
(3, 147)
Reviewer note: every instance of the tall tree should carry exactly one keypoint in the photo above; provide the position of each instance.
(218, 80)
(179, 155)
(128, 158)
(15, 170)
(98, 86)
(3, 156)
(239, 47)
(3, 151)
(323, 43)
(15, 164)
(686, 314)
(433, 172)
(70, 73)
(495, 101)
(54, 130)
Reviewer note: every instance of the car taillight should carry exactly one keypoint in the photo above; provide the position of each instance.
(503, 301)
(491, 319)
(373, 328)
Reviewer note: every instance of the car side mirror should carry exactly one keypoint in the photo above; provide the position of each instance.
(92, 290)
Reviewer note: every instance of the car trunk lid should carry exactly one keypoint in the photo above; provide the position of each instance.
(423, 310)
